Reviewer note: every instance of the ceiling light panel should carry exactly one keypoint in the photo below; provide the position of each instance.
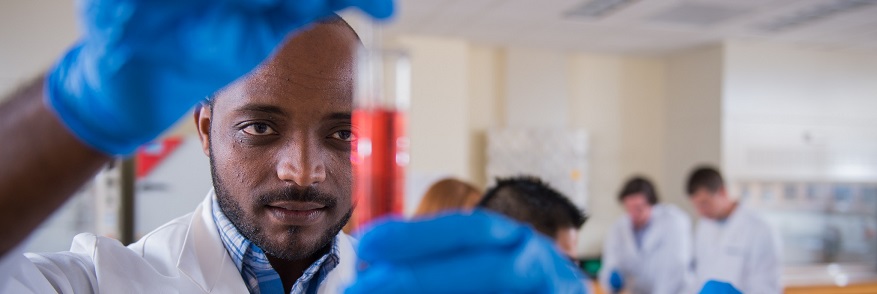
(597, 8)
(698, 14)
(814, 14)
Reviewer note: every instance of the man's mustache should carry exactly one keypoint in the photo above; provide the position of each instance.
(297, 194)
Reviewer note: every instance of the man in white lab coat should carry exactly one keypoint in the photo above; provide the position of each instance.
(272, 223)
(279, 142)
(648, 250)
(732, 243)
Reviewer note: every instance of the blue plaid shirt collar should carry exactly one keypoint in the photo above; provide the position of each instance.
(254, 267)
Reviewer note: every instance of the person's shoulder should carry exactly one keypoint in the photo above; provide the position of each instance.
(77, 270)
(175, 229)
(166, 242)
(675, 214)
(673, 210)
(163, 244)
(621, 222)
(755, 221)
(66, 271)
(748, 216)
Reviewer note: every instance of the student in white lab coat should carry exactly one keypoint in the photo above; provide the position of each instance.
(732, 243)
(279, 142)
(648, 250)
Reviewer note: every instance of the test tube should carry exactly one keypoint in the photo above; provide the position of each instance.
(380, 151)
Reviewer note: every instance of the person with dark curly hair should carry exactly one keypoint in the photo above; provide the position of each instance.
(531, 201)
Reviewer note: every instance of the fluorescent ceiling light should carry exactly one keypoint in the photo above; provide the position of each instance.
(815, 13)
(597, 8)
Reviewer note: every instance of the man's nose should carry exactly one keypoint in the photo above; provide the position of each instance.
(302, 162)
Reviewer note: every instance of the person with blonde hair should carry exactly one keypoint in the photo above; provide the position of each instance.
(448, 194)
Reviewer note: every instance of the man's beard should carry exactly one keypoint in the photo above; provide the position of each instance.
(292, 250)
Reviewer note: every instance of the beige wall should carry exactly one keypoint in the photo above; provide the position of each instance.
(486, 105)
(439, 114)
(619, 101)
(800, 114)
(439, 117)
(536, 88)
(32, 36)
(694, 117)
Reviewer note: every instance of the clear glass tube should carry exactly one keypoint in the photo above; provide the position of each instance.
(380, 151)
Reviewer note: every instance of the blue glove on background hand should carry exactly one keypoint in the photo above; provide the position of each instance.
(141, 64)
(456, 253)
(717, 287)
(616, 281)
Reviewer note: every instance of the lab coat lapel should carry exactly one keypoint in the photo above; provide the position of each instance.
(733, 227)
(345, 271)
(204, 259)
(628, 240)
(652, 237)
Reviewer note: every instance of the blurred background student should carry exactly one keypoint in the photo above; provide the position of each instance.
(531, 201)
(448, 194)
(648, 250)
(733, 243)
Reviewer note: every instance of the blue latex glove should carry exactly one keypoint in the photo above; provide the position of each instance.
(718, 287)
(456, 253)
(141, 64)
(616, 281)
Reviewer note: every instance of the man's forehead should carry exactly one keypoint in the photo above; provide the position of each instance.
(321, 50)
(316, 65)
(286, 94)
(289, 77)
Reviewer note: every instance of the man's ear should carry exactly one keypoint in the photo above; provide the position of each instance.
(203, 115)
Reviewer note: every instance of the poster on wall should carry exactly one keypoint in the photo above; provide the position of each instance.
(558, 157)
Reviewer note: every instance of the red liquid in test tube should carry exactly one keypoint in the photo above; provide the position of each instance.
(380, 150)
(380, 154)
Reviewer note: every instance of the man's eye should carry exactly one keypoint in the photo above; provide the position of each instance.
(344, 136)
(259, 129)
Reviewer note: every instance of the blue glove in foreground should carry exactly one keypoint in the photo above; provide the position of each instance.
(717, 287)
(477, 253)
(616, 281)
(141, 64)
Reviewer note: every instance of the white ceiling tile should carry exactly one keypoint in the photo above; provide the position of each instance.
(629, 29)
(457, 14)
(411, 14)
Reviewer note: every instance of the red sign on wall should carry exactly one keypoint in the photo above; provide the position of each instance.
(152, 154)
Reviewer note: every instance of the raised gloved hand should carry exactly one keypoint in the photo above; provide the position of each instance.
(718, 287)
(616, 281)
(456, 253)
(141, 64)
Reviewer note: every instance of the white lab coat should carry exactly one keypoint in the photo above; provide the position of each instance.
(185, 255)
(662, 264)
(743, 250)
